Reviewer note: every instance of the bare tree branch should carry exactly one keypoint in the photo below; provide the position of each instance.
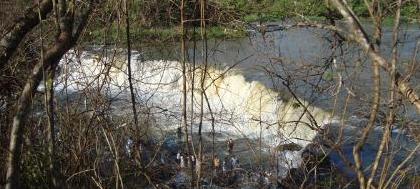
(12, 39)
(362, 38)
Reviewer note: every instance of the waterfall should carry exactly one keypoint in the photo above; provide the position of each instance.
(241, 108)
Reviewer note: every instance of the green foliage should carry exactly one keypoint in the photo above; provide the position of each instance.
(269, 10)
(411, 11)
(225, 32)
(116, 34)
(359, 8)
(328, 75)
(236, 4)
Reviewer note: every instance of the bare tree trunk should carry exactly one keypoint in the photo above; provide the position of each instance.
(66, 40)
(390, 120)
(374, 111)
(213, 153)
(49, 100)
(184, 85)
(10, 42)
(130, 80)
(49, 109)
(192, 72)
(377, 36)
(203, 77)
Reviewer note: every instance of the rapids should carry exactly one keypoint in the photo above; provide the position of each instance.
(241, 109)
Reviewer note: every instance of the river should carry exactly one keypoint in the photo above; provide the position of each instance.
(249, 84)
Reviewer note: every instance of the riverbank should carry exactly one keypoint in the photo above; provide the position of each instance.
(115, 34)
(225, 19)
(148, 36)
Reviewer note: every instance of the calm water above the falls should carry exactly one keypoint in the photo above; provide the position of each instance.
(306, 56)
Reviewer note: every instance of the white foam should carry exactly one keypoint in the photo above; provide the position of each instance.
(241, 108)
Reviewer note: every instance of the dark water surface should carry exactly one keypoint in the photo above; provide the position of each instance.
(306, 57)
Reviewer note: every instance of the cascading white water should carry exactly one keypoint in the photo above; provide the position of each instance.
(240, 108)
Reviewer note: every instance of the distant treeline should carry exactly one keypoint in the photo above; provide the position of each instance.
(166, 12)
